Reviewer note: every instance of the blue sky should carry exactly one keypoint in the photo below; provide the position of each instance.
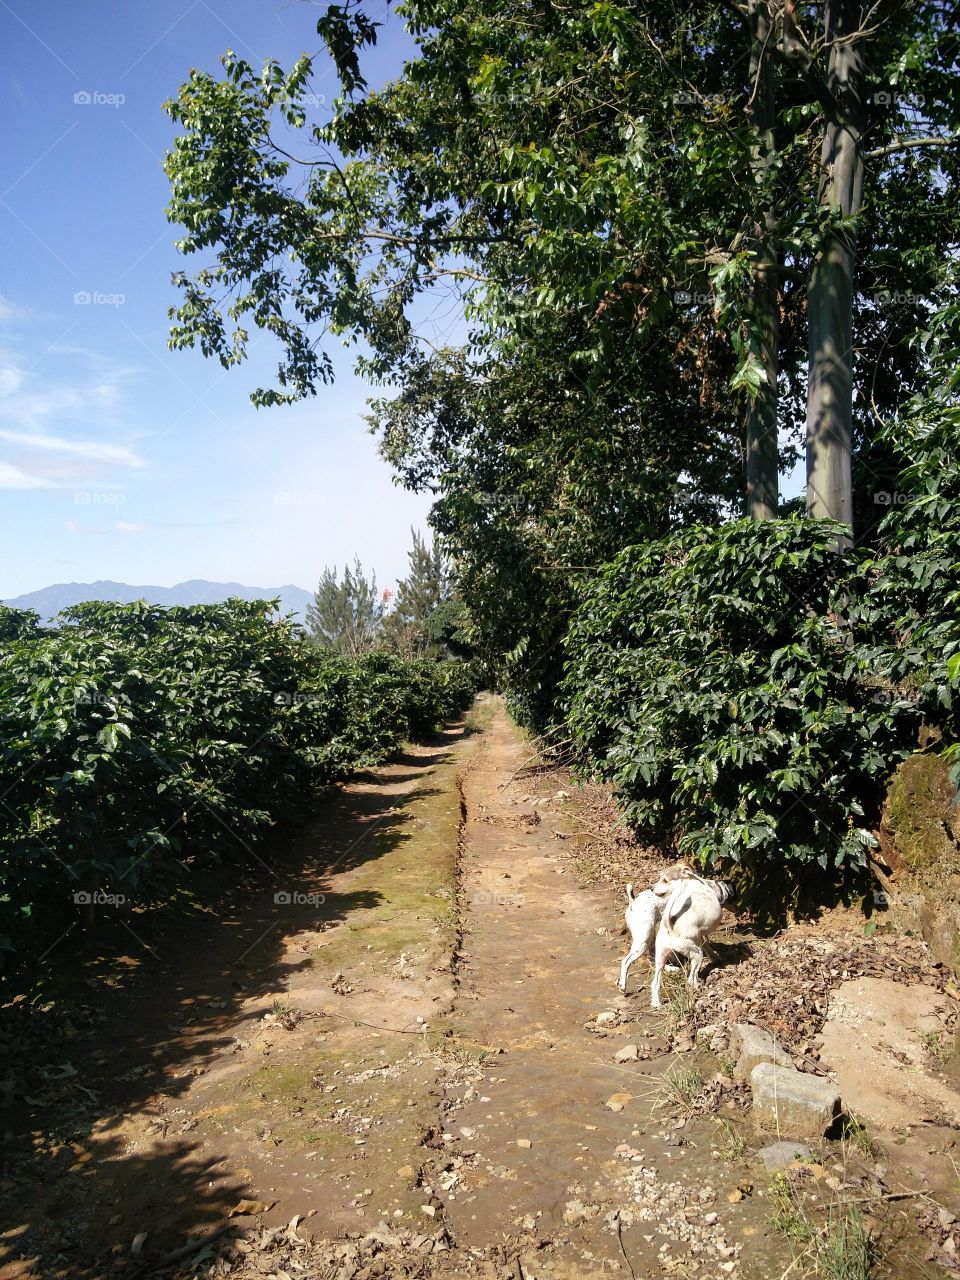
(118, 458)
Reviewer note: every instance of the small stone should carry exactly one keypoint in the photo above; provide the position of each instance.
(802, 1105)
(617, 1101)
(525, 1143)
(405, 1171)
(467, 1131)
(778, 1155)
(606, 1018)
(629, 1053)
(429, 1210)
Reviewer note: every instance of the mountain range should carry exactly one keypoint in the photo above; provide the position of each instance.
(48, 601)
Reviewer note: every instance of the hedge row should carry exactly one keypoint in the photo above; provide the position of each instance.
(137, 742)
(749, 689)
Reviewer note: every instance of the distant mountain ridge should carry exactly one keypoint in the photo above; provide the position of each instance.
(48, 601)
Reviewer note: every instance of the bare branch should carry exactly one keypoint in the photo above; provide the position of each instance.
(908, 144)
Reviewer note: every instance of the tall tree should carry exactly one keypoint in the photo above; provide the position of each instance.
(762, 455)
(599, 165)
(347, 613)
(427, 585)
(831, 284)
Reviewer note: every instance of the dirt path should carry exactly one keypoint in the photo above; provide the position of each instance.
(403, 1038)
(276, 1051)
(557, 1142)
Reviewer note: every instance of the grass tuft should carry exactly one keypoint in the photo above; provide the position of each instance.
(730, 1142)
(678, 1090)
(839, 1249)
(856, 1133)
(935, 1046)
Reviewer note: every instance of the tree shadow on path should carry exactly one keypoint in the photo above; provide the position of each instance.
(96, 1148)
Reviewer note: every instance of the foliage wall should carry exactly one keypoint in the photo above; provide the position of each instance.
(139, 743)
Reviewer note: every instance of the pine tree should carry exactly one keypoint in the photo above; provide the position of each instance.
(426, 586)
(346, 614)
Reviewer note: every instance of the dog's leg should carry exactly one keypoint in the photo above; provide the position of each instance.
(634, 954)
(661, 953)
(655, 987)
(696, 963)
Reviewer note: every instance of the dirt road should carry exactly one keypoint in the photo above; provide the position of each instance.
(403, 1039)
(559, 1142)
(273, 1053)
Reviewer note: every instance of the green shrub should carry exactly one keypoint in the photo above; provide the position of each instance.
(137, 742)
(716, 679)
(907, 605)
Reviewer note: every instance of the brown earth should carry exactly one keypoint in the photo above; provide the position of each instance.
(410, 1077)
(235, 1064)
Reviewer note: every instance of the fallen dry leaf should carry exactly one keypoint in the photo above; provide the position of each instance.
(251, 1207)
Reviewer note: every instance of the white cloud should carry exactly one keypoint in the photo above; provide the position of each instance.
(63, 414)
(101, 530)
(92, 450)
(79, 405)
(10, 380)
(13, 478)
(9, 311)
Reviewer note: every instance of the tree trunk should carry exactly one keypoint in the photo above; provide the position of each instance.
(830, 287)
(762, 454)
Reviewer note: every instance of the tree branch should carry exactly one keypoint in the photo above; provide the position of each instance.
(907, 144)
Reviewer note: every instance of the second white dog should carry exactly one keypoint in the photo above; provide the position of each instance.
(691, 913)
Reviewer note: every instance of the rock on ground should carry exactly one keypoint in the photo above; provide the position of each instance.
(792, 1103)
(778, 1155)
(752, 1045)
(876, 1041)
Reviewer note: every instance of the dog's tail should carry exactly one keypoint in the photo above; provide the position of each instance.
(630, 894)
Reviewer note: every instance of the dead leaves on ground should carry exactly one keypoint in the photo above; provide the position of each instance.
(785, 984)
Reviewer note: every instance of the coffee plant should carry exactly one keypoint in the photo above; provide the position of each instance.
(139, 743)
(721, 681)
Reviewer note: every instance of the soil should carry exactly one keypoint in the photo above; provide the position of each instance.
(394, 1052)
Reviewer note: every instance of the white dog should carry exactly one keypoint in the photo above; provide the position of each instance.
(692, 911)
(643, 914)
